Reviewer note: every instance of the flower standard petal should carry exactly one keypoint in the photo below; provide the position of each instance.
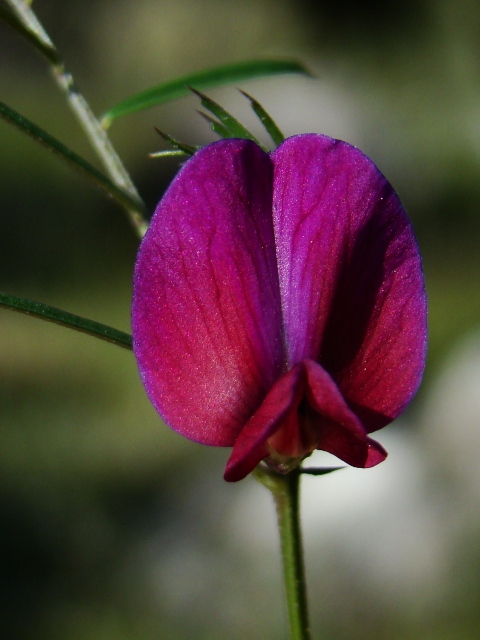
(351, 282)
(206, 314)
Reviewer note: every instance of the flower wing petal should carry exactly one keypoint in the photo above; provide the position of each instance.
(341, 433)
(351, 282)
(280, 404)
(206, 314)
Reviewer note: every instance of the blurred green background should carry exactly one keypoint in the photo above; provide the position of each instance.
(112, 526)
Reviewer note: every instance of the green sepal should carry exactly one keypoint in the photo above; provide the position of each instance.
(219, 128)
(206, 79)
(318, 471)
(187, 149)
(70, 157)
(236, 129)
(266, 119)
(66, 319)
(167, 153)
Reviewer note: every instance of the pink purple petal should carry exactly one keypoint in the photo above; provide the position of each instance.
(303, 411)
(351, 281)
(206, 313)
(279, 407)
(279, 303)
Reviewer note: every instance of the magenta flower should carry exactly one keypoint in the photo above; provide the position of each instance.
(279, 303)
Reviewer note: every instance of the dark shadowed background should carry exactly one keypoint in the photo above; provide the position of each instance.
(111, 526)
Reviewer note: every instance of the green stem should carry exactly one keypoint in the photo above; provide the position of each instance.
(285, 490)
(97, 135)
(67, 155)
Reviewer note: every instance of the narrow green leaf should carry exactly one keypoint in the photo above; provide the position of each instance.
(236, 129)
(176, 144)
(70, 157)
(45, 49)
(203, 80)
(69, 320)
(220, 129)
(266, 119)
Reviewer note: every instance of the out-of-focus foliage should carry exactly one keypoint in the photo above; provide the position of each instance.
(112, 527)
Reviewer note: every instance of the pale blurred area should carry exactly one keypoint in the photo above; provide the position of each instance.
(112, 527)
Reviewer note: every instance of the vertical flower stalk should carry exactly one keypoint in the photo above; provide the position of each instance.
(285, 490)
